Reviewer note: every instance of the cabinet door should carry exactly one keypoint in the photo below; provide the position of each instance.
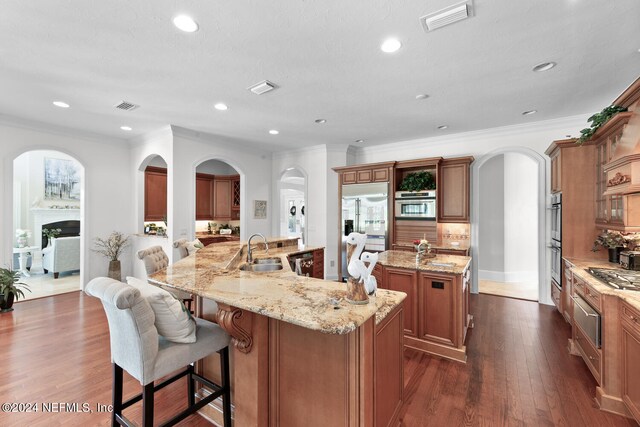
(437, 313)
(381, 175)
(453, 203)
(364, 176)
(235, 184)
(204, 202)
(155, 194)
(398, 279)
(349, 177)
(630, 359)
(556, 173)
(459, 252)
(221, 198)
(318, 263)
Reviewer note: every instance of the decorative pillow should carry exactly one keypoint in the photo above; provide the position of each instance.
(192, 247)
(173, 320)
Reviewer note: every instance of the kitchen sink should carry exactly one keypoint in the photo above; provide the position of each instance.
(261, 268)
(268, 261)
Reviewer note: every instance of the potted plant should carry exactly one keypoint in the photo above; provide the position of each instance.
(51, 233)
(418, 181)
(112, 247)
(614, 241)
(10, 289)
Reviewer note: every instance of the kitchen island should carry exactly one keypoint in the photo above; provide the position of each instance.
(301, 354)
(436, 310)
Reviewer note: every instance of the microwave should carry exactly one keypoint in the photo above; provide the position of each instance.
(420, 205)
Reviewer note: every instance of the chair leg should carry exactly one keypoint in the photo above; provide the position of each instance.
(191, 387)
(226, 397)
(147, 405)
(116, 394)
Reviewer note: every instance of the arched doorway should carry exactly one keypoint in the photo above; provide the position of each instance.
(48, 196)
(508, 224)
(292, 203)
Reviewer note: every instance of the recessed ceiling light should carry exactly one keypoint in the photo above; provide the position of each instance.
(422, 96)
(545, 66)
(528, 113)
(60, 104)
(443, 127)
(127, 128)
(390, 45)
(274, 132)
(359, 141)
(321, 121)
(185, 23)
(220, 106)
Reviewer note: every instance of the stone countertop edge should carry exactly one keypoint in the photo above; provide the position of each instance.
(580, 269)
(403, 259)
(213, 273)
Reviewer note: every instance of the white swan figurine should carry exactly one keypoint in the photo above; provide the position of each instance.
(355, 266)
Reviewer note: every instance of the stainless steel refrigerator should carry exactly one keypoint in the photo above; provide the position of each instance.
(365, 209)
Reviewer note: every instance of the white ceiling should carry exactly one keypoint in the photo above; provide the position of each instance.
(325, 57)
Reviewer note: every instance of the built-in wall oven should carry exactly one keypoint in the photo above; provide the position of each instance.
(556, 239)
(420, 205)
(588, 319)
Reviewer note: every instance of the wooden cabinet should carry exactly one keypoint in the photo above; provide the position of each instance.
(453, 190)
(204, 197)
(457, 252)
(312, 263)
(556, 296)
(155, 193)
(630, 358)
(235, 197)
(437, 308)
(590, 354)
(567, 291)
(362, 174)
(216, 238)
(399, 279)
(221, 198)
(556, 173)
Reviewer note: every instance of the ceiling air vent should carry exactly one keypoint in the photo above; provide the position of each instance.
(126, 106)
(447, 16)
(262, 87)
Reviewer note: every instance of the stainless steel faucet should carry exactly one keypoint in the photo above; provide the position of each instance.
(249, 255)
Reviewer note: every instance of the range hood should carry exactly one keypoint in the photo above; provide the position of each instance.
(623, 170)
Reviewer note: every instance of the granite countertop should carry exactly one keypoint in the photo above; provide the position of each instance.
(451, 264)
(214, 272)
(580, 270)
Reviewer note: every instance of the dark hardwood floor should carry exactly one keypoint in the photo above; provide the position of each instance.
(519, 372)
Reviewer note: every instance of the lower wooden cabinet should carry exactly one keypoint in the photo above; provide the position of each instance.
(312, 263)
(630, 358)
(437, 303)
(400, 279)
(556, 296)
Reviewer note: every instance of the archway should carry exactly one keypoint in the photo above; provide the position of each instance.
(292, 200)
(47, 220)
(501, 237)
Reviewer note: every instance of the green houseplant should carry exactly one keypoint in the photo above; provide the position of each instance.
(418, 181)
(614, 241)
(112, 247)
(10, 289)
(598, 120)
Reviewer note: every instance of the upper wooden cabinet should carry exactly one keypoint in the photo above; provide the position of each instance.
(204, 197)
(556, 172)
(362, 174)
(155, 193)
(221, 198)
(235, 197)
(453, 190)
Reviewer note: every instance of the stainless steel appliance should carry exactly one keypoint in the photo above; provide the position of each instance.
(416, 205)
(627, 280)
(630, 260)
(365, 209)
(587, 319)
(556, 239)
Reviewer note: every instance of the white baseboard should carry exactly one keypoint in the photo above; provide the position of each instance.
(508, 276)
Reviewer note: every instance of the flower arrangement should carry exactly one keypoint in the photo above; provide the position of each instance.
(51, 232)
(615, 239)
(113, 246)
(422, 244)
(22, 238)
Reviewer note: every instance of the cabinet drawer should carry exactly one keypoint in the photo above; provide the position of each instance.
(556, 296)
(588, 293)
(589, 353)
(631, 315)
(459, 252)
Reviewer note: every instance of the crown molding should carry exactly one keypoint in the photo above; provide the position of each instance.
(33, 125)
(321, 148)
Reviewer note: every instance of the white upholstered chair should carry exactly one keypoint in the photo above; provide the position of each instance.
(63, 254)
(181, 245)
(155, 259)
(137, 348)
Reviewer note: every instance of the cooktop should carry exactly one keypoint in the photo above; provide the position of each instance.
(617, 278)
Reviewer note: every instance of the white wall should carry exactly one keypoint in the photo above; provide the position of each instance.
(106, 191)
(216, 167)
(521, 218)
(492, 231)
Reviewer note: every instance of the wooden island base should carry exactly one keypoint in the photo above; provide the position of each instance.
(291, 375)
